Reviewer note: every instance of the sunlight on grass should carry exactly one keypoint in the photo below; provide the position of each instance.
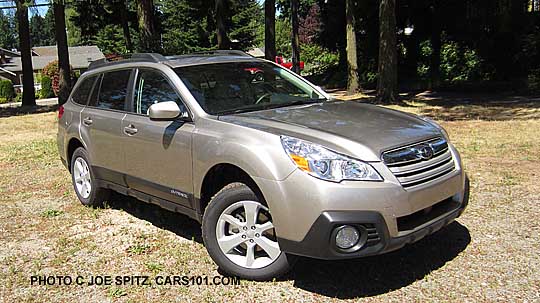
(47, 231)
(51, 213)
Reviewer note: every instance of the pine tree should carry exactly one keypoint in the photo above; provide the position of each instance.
(8, 39)
(184, 26)
(246, 17)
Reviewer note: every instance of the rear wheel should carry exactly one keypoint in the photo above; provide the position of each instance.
(239, 235)
(84, 183)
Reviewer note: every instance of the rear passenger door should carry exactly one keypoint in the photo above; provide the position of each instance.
(157, 153)
(101, 120)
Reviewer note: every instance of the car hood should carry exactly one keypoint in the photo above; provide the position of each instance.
(377, 128)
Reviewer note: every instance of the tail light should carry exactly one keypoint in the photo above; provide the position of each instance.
(60, 112)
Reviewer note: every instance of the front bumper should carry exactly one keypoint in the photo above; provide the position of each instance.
(319, 241)
(305, 210)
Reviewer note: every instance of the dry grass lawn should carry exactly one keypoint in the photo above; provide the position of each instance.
(490, 254)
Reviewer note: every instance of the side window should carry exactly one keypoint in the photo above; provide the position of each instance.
(95, 92)
(80, 96)
(114, 87)
(152, 87)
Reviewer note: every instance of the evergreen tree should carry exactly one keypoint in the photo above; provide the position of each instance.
(98, 22)
(110, 40)
(42, 29)
(246, 18)
(191, 25)
(90, 17)
(8, 38)
(184, 26)
(73, 31)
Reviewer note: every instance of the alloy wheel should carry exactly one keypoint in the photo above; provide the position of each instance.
(81, 176)
(245, 234)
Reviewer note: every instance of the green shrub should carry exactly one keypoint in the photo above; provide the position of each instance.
(46, 87)
(317, 60)
(534, 80)
(7, 92)
(459, 63)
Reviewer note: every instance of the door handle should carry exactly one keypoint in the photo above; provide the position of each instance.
(87, 121)
(130, 130)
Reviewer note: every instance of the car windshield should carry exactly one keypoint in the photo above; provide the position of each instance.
(228, 88)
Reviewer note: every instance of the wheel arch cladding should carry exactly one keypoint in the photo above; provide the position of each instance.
(73, 144)
(220, 175)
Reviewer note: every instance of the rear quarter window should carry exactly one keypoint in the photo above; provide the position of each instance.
(113, 91)
(82, 92)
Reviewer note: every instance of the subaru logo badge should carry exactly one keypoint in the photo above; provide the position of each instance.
(425, 152)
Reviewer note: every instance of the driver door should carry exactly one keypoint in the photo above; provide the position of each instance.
(157, 153)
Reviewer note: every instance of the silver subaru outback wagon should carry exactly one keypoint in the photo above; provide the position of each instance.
(270, 165)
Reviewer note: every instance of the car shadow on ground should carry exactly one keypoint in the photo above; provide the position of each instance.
(371, 276)
(177, 223)
(345, 279)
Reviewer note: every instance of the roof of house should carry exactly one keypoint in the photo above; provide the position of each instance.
(74, 50)
(9, 52)
(79, 57)
(257, 52)
(3, 70)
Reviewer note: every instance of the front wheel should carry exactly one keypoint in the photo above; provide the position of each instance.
(239, 235)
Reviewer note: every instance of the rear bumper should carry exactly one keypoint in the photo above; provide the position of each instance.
(319, 241)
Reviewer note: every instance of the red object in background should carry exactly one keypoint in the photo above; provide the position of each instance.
(279, 60)
(253, 70)
(60, 112)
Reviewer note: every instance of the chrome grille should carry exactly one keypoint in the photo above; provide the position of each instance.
(421, 162)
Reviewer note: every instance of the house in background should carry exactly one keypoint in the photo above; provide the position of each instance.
(79, 58)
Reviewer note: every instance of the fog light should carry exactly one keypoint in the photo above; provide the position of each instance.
(347, 237)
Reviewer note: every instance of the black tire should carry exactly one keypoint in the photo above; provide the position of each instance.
(230, 194)
(466, 195)
(97, 194)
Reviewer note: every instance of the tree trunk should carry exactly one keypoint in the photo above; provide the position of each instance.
(295, 41)
(125, 26)
(353, 83)
(387, 82)
(222, 39)
(64, 71)
(435, 64)
(29, 98)
(519, 70)
(147, 27)
(412, 43)
(270, 30)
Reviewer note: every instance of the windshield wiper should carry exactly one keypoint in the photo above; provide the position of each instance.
(268, 106)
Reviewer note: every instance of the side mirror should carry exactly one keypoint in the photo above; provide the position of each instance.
(164, 111)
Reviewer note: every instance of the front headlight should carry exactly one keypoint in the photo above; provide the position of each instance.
(326, 164)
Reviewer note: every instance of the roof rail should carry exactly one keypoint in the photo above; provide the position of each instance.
(97, 63)
(152, 57)
(222, 52)
(137, 57)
